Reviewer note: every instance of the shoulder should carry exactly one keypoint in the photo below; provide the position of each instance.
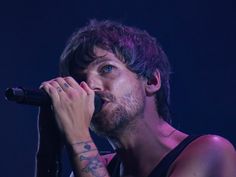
(211, 143)
(208, 155)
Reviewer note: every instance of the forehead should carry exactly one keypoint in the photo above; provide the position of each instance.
(100, 56)
(105, 56)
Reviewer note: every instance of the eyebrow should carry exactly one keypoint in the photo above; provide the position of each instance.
(100, 60)
(97, 61)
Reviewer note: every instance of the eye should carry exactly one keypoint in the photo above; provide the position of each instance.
(106, 69)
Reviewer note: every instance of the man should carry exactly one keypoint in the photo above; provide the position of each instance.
(128, 69)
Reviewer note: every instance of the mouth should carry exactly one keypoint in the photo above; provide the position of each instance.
(105, 103)
(105, 100)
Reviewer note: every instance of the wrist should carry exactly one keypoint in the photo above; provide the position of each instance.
(82, 147)
(75, 137)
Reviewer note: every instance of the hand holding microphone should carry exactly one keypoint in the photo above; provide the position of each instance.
(38, 97)
(66, 89)
(71, 102)
(73, 106)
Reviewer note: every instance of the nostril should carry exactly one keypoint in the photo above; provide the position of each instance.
(96, 89)
(94, 84)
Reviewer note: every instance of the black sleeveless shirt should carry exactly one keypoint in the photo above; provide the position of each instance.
(162, 168)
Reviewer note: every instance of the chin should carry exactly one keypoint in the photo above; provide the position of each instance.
(110, 123)
(114, 118)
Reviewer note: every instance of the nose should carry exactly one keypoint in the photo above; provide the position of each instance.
(94, 83)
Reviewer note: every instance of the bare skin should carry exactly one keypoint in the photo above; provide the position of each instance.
(145, 137)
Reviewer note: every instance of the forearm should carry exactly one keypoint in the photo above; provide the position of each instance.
(86, 159)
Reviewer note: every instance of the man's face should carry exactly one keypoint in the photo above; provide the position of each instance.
(122, 92)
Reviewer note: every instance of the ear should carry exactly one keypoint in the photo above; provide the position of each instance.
(153, 84)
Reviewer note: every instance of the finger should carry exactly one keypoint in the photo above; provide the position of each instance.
(75, 85)
(57, 86)
(72, 82)
(43, 83)
(90, 94)
(87, 89)
(52, 91)
(62, 84)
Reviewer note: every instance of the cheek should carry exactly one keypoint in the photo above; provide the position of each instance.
(121, 86)
(131, 92)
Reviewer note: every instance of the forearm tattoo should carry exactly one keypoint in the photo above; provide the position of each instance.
(90, 160)
(84, 147)
(94, 166)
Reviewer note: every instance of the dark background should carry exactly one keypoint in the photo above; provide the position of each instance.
(198, 35)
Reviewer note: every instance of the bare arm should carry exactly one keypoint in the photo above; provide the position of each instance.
(209, 156)
(73, 109)
(86, 160)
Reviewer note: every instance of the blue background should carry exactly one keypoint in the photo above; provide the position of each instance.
(199, 37)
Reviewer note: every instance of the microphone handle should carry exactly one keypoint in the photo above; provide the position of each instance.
(38, 97)
(27, 96)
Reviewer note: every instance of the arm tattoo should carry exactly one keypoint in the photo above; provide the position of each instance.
(92, 162)
(94, 166)
(86, 147)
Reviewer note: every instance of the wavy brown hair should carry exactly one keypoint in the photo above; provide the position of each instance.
(141, 53)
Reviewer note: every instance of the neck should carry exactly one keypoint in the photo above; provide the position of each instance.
(151, 136)
(145, 140)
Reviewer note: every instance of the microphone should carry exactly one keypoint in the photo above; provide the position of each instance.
(37, 97)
